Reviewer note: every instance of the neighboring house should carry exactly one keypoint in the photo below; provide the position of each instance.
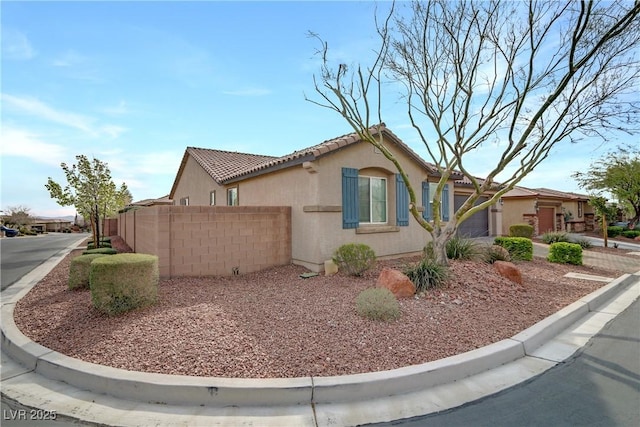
(151, 202)
(340, 191)
(547, 210)
(41, 225)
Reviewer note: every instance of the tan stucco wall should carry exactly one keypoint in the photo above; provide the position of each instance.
(317, 232)
(196, 184)
(513, 210)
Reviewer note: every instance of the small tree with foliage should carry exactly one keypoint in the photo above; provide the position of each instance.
(91, 190)
(18, 216)
(617, 173)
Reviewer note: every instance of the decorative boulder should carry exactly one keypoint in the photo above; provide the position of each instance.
(397, 282)
(508, 270)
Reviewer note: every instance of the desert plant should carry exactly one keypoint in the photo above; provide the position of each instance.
(554, 237)
(461, 248)
(583, 242)
(496, 253)
(521, 230)
(79, 271)
(565, 253)
(378, 304)
(427, 273)
(354, 258)
(123, 282)
(519, 248)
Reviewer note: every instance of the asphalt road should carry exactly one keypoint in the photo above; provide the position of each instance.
(20, 255)
(599, 386)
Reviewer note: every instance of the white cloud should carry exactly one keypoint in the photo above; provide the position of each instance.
(43, 111)
(37, 108)
(16, 45)
(21, 143)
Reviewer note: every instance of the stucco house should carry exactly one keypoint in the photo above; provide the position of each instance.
(547, 210)
(340, 191)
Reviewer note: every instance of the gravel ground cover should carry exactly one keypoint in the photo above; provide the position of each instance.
(275, 324)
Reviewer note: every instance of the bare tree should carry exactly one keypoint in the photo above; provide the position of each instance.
(520, 77)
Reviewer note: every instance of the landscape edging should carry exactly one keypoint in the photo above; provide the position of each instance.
(217, 391)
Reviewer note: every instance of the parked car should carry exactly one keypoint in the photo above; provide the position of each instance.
(9, 232)
(623, 224)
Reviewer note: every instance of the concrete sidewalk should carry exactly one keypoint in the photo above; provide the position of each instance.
(37, 377)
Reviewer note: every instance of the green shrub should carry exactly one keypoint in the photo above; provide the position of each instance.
(123, 282)
(92, 245)
(554, 237)
(614, 231)
(496, 253)
(427, 274)
(519, 248)
(521, 230)
(79, 271)
(354, 258)
(461, 248)
(565, 253)
(378, 304)
(583, 242)
(105, 251)
(631, 234)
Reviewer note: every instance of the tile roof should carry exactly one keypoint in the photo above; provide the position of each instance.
(523, 192)
(222, 165)
(325, 147)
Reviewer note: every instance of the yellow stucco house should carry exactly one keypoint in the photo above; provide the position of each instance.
(340, 191)
(547, 210)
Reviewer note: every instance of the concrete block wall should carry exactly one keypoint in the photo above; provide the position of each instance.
(210, 240)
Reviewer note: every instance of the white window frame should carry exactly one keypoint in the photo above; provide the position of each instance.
(386, 200)
(212, 198)
(184, 201)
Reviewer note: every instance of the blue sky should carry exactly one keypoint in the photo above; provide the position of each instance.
(134, 83)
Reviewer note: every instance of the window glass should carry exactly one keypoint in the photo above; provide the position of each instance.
(372, 199)
(232, 196)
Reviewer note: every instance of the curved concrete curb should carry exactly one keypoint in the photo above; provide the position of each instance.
(330, 398)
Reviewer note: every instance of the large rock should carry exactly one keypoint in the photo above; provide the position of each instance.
(397, 282)
(508, 270)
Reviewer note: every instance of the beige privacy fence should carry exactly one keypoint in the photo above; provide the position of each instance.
(210, 240)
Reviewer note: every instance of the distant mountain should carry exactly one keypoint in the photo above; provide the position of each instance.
(69, 218)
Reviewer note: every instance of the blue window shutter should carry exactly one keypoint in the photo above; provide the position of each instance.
(445, 203)
(350, 215)
(402, 202)
(426, 213)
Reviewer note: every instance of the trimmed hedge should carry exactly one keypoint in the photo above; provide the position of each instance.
(521, 230)
(565, 253)
(105, 251)
(103, 244)
(614, 231)
(631, 234)
(124, 282)
(79, 270)
(520, 248)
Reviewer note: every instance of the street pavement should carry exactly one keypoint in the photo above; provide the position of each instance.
(20, 255)
(598, 386)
